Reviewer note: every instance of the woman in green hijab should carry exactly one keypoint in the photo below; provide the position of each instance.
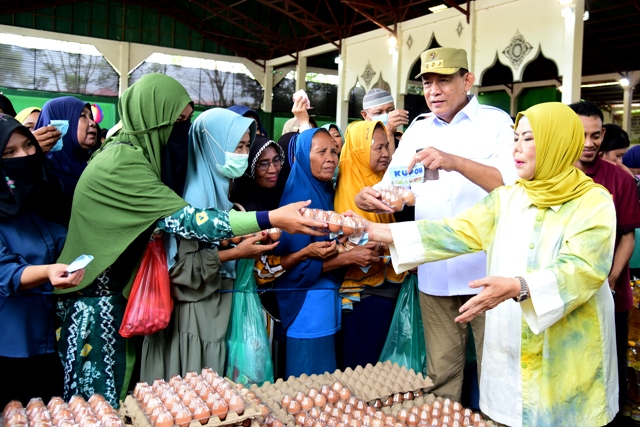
(118, 202)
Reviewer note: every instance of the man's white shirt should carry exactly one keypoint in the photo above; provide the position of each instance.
(480, 133)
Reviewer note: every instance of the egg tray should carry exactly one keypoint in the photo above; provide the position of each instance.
(419, 401)
(381, 381)
(271, 393)
(132, 409)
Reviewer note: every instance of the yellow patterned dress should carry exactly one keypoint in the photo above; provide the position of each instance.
(550, 361)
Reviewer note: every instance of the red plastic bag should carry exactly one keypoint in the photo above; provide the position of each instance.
(150, 303)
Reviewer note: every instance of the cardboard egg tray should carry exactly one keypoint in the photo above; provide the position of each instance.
(132, 409)
(271, 393)
(382, 380)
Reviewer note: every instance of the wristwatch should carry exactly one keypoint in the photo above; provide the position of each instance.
(524, 290)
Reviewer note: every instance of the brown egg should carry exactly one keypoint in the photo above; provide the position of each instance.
(164, 419)
(173, 380)
(320, 400)
(424, 415)
(219, 408)
(327, 408)
(437, 404)
(447, 410)
(389, 420)
(388, 401)
(377, 403)
(309, 422)
(294, 407)
(153, 416)
(397, 398)
(435, 422)
(396, 203)
(417, 393)
(457, 416)
(408, 395)
(345, 418)
(480, 424)
(402, 415)
(414, 410)
(313, 392)
(202, 413)
(341, 404)
(466, 421)
(476, 417)
(361, 405)
(306, 404)
(183, 417)
(353, 400)
(236, 404)
(370, 410)
(348, 226)
(358, 414)
(354, 423)
(335, 221)
(457, 407)
(467, 412)
(307, 213)
(366, 420)
(274, 234)
(325, 390)
(412, 420)
(315, 412)
(336, 413)
(436, 412)
(300, 417)
(286, 399)
(408, 198)
(332, 396)
(446, 419)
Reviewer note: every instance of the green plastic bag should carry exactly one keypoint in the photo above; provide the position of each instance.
(248, 349)
(405, 341)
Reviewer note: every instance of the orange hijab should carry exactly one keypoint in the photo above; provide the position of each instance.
(355, 174)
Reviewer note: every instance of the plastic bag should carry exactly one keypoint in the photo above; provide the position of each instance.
(248, 348)
(405, 341)
(150, 303)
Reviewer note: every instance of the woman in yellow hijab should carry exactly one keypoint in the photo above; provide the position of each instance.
(549, 342)
(369, 295)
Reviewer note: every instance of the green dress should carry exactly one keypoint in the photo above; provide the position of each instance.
(96, 358)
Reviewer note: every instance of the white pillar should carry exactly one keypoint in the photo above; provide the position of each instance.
(268, 90)
(123, 67)
(633, 77)
(342, 103)
(572, 53)
(301, 72)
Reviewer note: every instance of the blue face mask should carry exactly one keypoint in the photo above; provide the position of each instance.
(235, 164)
(381, 118)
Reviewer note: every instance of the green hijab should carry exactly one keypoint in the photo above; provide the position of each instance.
(119, 195)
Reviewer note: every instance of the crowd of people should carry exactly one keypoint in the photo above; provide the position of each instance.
(523, 240)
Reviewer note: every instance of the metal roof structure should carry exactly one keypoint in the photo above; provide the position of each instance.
(260, 30)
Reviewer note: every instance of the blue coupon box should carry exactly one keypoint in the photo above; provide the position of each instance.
(400, 176)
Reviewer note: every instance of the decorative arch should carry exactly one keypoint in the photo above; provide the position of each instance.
(496, 74)
(356, 93)
(415, 65)
(540, 68)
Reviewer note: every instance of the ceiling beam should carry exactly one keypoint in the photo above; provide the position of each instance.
(355, 5)
(305, 18)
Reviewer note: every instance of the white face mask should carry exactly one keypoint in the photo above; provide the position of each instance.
(235, 164)
(381, 118)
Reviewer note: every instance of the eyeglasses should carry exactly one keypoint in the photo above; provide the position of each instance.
(266, 164)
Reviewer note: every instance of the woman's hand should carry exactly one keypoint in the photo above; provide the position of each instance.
(60, 278)
(299, 110)
(47, 137)
(496, 290)
(369, 200)
(365, 255)
(322, 250)
(289, 219)
(249, 248)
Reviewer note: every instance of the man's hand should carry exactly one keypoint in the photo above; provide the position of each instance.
(396, 119)
(433, 159)
(47, 137)
(369, 200)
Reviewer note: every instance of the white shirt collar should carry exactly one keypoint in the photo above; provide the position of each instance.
(469, 112)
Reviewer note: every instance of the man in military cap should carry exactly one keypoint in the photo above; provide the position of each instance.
(471, 147)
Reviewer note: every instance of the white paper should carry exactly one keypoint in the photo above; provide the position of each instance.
(79, 263)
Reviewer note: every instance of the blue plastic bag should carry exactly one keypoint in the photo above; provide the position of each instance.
(248, 349)
(405, 341)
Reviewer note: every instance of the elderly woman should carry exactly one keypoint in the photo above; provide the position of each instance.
(549, 357)
(307, 294)
(31, 237)
(368, 296)
(121, 198)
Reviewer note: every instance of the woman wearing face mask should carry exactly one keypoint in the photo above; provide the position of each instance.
(31, 238)
(219, 144)
(121, 198)
(78, 144)
(369, 298)
(307, 294)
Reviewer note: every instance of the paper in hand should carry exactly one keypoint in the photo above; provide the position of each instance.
(79, 263)
(63, 127)
(302, 94)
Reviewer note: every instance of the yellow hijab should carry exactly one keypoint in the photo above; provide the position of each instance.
(355, 174)
(559, 138)
(22, 115)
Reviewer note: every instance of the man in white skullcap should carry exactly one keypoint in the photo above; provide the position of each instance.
(378, 106)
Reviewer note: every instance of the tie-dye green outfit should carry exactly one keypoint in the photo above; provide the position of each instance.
(551, 360)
